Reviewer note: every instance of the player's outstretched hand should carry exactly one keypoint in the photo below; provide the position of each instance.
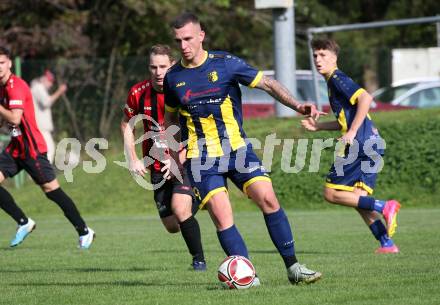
(137, 168)
(310, 110)
(310, 124)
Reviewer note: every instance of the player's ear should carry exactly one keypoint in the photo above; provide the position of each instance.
(9, 64)
(202, 35)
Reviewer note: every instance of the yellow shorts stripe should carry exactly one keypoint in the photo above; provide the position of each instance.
(364, 186)
(252, 180)
(340, 187)
(347, 188)
(210, 194)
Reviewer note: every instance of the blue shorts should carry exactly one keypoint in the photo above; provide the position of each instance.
(361, 173)
(208, 175)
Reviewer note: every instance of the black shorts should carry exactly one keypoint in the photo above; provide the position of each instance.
(163, 195)
(39, 169)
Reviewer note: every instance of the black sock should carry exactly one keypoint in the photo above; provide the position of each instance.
(70, 211)
(191, 234)
(289, 260)
(8, 204)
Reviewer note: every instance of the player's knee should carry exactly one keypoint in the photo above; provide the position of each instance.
(329, 195)
(182, 214)
(182, 211)
(222, 219)
(50, 186)
(269, 203)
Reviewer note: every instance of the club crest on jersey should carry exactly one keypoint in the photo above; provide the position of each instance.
(212, 76)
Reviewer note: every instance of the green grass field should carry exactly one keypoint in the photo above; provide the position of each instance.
(134, 261)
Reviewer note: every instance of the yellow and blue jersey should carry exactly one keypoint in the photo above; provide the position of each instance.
(208, 97)
(343, 95)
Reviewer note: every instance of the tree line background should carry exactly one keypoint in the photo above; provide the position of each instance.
(99, 47)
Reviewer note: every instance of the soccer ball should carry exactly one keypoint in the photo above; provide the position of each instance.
(236, 272)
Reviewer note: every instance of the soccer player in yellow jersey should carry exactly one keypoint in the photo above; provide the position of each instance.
(350, 183)
(203, 88)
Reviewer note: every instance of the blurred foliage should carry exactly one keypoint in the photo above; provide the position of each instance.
(72, 28)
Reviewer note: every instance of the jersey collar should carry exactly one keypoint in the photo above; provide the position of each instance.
(205, 56)
(331, 74)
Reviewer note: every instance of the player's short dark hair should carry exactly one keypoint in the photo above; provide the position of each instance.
(162, 49)
(5, 51)
(325, 44)
(183, 19)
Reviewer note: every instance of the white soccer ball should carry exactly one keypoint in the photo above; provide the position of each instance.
(236, 272)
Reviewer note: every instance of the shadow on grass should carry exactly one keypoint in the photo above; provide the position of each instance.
(262, 251)
(86, 270)
(207, 286)
(267, 251)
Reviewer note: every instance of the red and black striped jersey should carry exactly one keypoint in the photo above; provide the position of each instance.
(143, 99)
(26, 138)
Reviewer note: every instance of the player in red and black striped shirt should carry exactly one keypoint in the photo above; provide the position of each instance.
(27, 150)
(174, 199)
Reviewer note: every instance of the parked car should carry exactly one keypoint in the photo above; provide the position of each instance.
(422, 94)
(257, 103)
(396, 89)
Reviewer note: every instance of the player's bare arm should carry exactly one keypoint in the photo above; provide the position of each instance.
(135, 165)
(283, 95)
(12, 116)
(59, 92)
(280, 93)
(363, 105)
